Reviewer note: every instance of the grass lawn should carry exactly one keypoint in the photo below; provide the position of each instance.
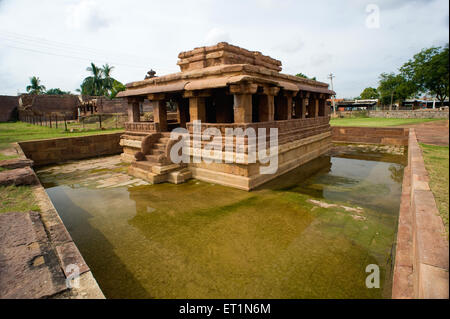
(21, 199)
(17, 199)
(378, 122)
(436, 161)
(20, 131)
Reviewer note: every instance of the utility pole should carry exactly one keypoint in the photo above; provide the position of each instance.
(392, 98)
(331, 76)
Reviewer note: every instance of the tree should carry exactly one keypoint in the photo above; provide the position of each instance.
(56, 91)
(93, 85)
(35, 87)
(394, 87)
(369, 94)
(429, 71)
(301, 75)
(108, 81)
(116, 88)
(100, 82)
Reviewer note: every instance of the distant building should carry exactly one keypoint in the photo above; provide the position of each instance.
(355, 105)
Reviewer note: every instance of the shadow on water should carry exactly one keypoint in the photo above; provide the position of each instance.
(115, 279)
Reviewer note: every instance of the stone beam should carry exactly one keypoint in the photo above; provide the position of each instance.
(156, 96)
(197, 93)
(243, 88)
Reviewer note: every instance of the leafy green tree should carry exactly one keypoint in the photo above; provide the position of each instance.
(35, 87)
(100, 82)
(93, 85)
(394, 87)
(56, 91)
(116, 88)
(369, 94)
(429, 71)
(301, 75)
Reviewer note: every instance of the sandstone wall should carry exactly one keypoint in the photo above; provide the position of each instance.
(397, 114)
(370, 135)
(50, 151)
(422, 255)
(45, 104)
(8, 108)
(407, 114)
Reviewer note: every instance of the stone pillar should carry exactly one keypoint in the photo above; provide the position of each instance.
(197, 106)
(316, 107)
(242, 108)
(160, 114)
(313, 107)
(267, 105)
(300, 106)
(304, 104)
(289, 97)
(182, 110)
(159, 110)
(322, 105)
(243, 101)
(197, 109)
(134, 113)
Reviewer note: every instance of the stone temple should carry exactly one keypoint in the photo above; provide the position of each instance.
(224, 86)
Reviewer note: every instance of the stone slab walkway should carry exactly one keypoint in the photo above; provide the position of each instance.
(434, 132)
(29, 267)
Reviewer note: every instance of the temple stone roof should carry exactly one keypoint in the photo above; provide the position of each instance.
(221, 65)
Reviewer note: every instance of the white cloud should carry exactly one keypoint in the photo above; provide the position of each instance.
(216, 35)
(306, 36)
(85, 15)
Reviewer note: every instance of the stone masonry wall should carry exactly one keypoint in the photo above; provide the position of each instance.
(396, 114)
(407, 114)
(370, 135)
(8, 108)
(422, 255)
(50, 151)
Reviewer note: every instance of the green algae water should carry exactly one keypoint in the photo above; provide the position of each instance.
(309, 234)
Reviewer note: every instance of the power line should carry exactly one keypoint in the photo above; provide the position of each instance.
(42, 46)
(72, 57)
(63, 45)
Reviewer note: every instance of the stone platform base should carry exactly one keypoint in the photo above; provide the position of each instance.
(291, 155)
(243, 176)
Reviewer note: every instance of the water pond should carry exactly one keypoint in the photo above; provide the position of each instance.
(308, 234)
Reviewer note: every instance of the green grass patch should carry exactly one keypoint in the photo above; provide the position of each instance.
(17, 199)
(436, 161)
(6, 157)
(375, 122)
(20, 131)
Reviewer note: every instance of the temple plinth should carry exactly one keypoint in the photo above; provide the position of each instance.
(225, 87)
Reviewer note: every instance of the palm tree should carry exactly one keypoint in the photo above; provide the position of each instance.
(35, 87)
(100, 82)
(108, 81)
(94, 83)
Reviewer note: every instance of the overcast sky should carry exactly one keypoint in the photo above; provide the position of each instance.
(56, 40)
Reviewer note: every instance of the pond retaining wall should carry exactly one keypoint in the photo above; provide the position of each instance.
(56, 150)
(422, 255)
(370, 135)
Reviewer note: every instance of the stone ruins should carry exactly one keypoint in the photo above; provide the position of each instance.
(225, 86)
